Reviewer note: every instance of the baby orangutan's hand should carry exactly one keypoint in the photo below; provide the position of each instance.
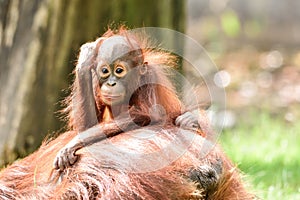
(66, 156)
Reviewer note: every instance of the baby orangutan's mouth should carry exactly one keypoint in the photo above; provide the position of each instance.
(111, 98)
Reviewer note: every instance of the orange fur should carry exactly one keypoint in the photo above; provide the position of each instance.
(122, 167)
(163, 93)
(107, 171)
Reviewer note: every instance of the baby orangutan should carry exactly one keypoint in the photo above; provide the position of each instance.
(120, 86)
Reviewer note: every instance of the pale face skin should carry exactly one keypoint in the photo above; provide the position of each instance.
(112, 90)
(116, 57)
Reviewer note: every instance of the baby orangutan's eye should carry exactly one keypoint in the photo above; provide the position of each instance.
(120, 70)
(104, 71)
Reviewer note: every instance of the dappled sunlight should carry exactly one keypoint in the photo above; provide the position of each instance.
(258, 59)
(272, 85)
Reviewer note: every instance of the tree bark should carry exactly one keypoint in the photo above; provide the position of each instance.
(39, 40)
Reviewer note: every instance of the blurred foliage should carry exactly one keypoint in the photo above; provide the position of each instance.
(266, 149)
(263, 80)
(230, 23)
(259, 61)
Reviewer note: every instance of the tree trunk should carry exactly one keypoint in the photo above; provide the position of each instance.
(39, 40)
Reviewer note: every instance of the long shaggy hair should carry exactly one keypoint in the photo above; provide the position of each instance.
(123, 167)
(158, 63)
(153, 162)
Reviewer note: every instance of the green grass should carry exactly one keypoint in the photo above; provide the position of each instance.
(267, 150)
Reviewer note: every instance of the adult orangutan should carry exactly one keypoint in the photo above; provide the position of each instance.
(121, 87)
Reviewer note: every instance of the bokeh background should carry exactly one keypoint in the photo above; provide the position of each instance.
(255, 44)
